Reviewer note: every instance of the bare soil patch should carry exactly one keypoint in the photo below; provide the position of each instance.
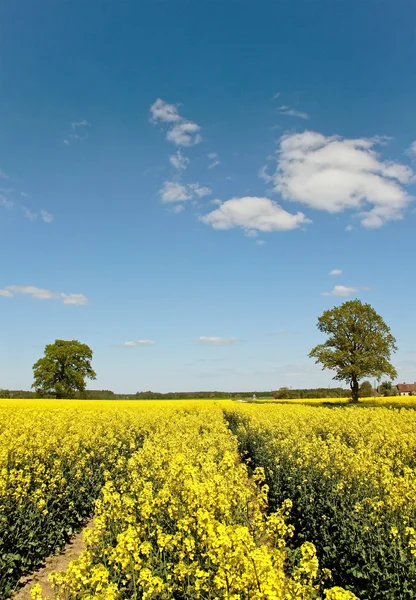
(56, 562)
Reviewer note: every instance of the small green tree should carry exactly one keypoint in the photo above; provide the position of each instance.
(366, 390)
(63, 369)
(359, 344)
(388, 389)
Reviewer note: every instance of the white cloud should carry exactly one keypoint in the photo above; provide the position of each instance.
(253, 213)
(199, 191)
(178, 208)
(342, 290)
(79, 299)
(45, 294)
(277, 95)
(24, 194)
(5, 202)
(260, 242)
(181, 132)
(173, 191)
(335, 272)
(179, 161)
(349, 228)
(6, 294)
(135, 343)
(78, 132)
(43, 215)
(292, 112)
(216, 341)
(29, 214)
(46, 216)
(332, 173)
(213, 156)
(77, 124)
(412, 150)
(3, 175)
(164, 112)
(184, 134)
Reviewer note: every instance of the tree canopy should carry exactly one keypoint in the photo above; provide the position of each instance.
(359, 344)
(63, 370)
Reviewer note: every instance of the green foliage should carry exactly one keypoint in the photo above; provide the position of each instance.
(63, 369)
(366, 390)
(388, 389)
(4, 394)
(359, 344)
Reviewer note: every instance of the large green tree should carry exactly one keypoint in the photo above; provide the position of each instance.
(63, 370)
(359, 344)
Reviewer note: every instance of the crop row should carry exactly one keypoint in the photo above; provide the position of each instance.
(350, 473)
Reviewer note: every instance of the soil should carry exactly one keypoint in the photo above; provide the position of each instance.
(56, 562)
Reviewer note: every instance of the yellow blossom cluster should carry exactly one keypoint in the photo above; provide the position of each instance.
(183, 519)
(351, 474)
(54, 457)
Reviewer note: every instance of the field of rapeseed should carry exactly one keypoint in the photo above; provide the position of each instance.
(179, 514)
(350, 474)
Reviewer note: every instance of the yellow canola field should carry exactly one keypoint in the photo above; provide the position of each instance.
(177, 514)
(351, 475)
(184, 520)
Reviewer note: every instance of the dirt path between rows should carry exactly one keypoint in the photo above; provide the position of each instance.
(56, 562)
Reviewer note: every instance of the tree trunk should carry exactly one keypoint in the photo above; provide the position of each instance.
(354, 390)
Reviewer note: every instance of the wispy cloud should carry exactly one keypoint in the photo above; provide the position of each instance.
(333, 174)
(42, 215)
(412, 150)
(292, 112)
(335, 272)
(135, 343)
(252, 213)
(179, 161)
(217, 341)
(3, 175)
(181, 132)
(343, 290)
(43, 294)
(174, 191)
(78, 132)
(213, 157)
(5, 202)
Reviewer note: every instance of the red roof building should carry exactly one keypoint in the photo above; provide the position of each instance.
(406, 389)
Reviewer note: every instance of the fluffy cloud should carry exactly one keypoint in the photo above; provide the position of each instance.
(173, 191)
(253, 213)
(135, 343)
(216, 341)
(184, 134)
(335, 272)
(43, 294)
(181, 132)
(291, 112)
(332, 173)
(343, 290)
(179, 161)
(164, 112)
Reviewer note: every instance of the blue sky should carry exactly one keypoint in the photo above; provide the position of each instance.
(179, 179)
